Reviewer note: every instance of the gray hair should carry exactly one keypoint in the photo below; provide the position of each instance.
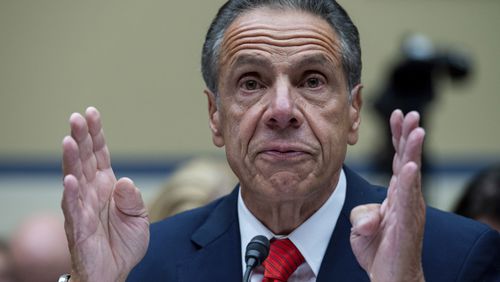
(328, 10)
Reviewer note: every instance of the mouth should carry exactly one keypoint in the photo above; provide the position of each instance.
(283, 153)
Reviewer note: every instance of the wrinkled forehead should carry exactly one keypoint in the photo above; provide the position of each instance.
(268, 15)
(279, 30)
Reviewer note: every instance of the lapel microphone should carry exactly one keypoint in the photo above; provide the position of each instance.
(256, 253)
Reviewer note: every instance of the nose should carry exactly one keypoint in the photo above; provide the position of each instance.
(282, 112)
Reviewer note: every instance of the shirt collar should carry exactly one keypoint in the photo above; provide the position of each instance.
(311, 237)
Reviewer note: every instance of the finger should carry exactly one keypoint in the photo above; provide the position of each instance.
(70, 200)
(128, 198)
(412, 153)
(410, 202)
(408, 179)
(396, 122)
(414, 146)
(80, 133)
(100, 149)
(410, 122)
(71, 158)
(365, 219)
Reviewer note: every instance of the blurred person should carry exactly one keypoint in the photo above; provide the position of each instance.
(284, 98)
(412, 85)
(481, 198)
(39, 249)
(193, 184)
(6, 271)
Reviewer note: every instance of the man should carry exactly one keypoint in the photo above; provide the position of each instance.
(284, 99)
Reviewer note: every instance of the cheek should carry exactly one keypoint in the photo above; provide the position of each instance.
(328, 124)
(240, 125)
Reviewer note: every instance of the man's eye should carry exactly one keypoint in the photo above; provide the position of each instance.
(313, 82)
(250, 85)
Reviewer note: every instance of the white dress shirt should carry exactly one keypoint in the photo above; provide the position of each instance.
(311, 237)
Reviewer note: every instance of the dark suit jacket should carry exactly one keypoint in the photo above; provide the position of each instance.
(204, 244)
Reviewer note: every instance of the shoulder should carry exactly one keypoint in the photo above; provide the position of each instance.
(459, 249)
(171, 242)
(181, 225)
(455, 248)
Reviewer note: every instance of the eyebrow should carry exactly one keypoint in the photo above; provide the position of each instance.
(251, 60)
(316, 59)
(304, 62)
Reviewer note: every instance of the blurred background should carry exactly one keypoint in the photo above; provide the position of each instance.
(138, 63)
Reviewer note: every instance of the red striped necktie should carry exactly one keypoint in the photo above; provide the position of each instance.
(283, 260)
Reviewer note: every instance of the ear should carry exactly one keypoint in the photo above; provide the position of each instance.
(355, 114)
(214, 119)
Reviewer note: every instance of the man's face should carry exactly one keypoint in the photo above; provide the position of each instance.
(283, 114)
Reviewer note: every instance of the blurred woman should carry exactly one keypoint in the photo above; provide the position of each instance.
(196, 183)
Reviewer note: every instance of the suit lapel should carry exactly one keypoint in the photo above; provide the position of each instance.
(218, 243)
(218, 255)
(339, 262)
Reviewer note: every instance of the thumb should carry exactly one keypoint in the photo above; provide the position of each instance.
(128, 198)
(365, 219)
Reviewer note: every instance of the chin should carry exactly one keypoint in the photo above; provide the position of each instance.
(285, 183)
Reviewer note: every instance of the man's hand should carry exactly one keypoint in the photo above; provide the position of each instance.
(387, 239)
(106, 222)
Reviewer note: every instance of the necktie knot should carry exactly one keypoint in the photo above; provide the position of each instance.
(283, 260)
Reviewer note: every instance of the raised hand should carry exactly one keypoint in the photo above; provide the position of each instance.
(387, 239)
(106, 221)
